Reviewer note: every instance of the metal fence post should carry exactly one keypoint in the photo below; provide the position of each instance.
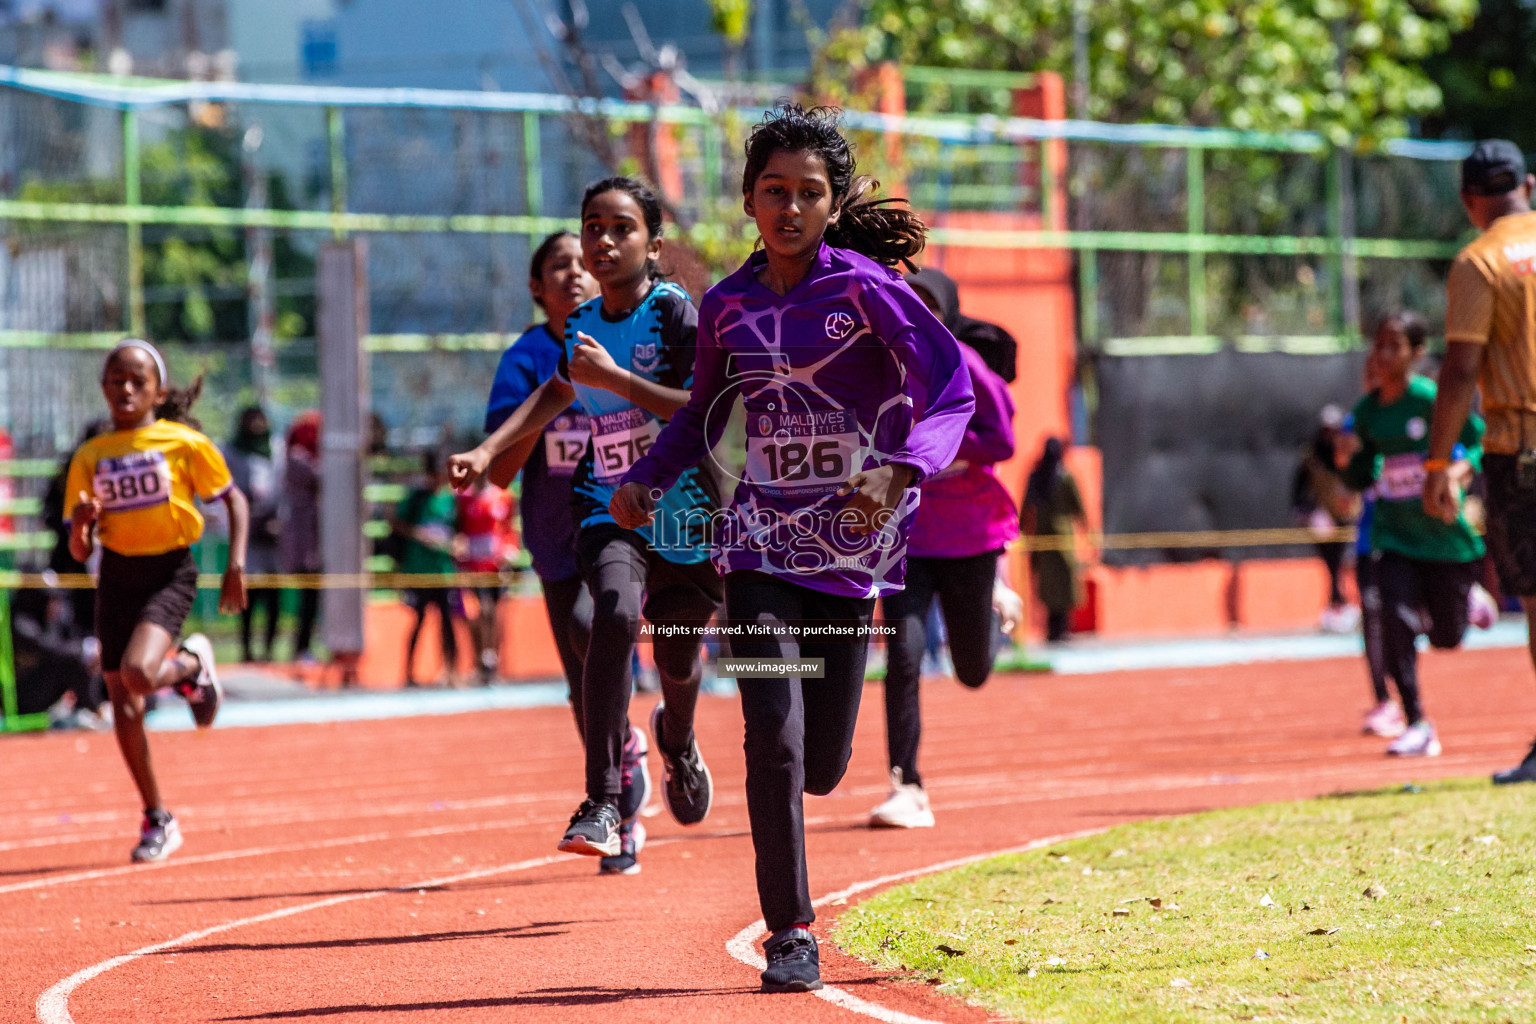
(342, 324)
(1194, 199)
(132, 198)
(533, 162)
(335, 130)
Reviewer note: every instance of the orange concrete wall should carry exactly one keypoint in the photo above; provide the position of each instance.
(527, 647)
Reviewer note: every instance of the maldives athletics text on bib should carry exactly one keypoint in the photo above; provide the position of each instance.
(619, 439)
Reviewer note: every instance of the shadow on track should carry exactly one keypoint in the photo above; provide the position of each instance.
(535, 930)
(577, 996)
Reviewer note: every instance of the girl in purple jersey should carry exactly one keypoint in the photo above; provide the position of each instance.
(966, 519)
(854, 393)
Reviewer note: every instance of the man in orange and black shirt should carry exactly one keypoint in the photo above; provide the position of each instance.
(1490, 335)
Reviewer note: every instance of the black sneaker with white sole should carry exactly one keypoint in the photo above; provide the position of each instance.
(627, 860)
(1525, 771)
(689, 787)
(159, 837)
(594, 830)
(202, 692)
(794, 962)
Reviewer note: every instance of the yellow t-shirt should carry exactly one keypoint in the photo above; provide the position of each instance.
(145, 479)
(1491, 300)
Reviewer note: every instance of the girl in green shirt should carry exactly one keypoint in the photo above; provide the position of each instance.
(1426, 568)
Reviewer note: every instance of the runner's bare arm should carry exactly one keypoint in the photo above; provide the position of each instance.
(510, 462)
(548, 400)
(1457, 387)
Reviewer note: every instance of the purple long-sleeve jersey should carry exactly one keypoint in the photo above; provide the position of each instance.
(847, 372)
(966, 509)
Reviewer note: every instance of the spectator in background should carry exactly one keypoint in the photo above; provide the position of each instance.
(255, 473)
(68, 616)
(1052, 504)
(425, 520)
(485, 524)
(1320, 499)
(300, 544)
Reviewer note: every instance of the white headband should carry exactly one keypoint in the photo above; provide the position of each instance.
(145, 347)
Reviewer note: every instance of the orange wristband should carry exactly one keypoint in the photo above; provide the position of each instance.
(1436, 465)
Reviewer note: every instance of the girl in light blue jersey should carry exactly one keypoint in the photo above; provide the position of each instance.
(628, 361)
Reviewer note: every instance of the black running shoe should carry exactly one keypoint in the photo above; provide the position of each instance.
(689, 786)
(202, 692)
(794, 962)
(594, 830)
(159, 837)
(634, 775)
(627, 860)
(1525, 771)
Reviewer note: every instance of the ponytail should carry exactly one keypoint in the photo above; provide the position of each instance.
(886, 230)
(178, 403)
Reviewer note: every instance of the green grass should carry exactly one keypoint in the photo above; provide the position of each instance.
(1070, 934)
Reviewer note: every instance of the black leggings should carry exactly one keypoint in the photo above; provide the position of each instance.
(628, 580)
(568, 604)
(799, 733)
(1332, 554)
(441, 598)
(964, 589)
(1419, 597)
(271, 598)
(309, 609)
(1370, 624)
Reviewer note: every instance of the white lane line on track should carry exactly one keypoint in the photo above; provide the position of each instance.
(53, 1005)
(259, 851)
(743, 945)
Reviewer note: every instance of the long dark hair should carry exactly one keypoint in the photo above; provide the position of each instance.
(886, 230)
(650, 207)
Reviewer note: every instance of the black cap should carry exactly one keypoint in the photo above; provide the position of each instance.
(1495, 167)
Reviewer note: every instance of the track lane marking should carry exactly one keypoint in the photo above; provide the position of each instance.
(53, 1005)
(743, 945)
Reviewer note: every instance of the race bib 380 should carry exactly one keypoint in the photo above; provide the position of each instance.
(133, 481)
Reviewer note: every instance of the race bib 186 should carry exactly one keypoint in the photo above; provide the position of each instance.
(619, 439)
(805, 451)
(133, 481)
(1402, 477)
(564, 443)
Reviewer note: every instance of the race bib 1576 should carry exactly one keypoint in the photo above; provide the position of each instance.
(805, 451)
(133, 481)
(619, 439)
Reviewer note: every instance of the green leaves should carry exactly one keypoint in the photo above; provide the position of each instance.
(1349, 69)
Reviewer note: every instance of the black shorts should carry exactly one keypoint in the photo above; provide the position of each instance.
(141, 588)
(1511, 525)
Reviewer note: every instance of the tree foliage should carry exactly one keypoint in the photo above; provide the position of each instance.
(1488, 76)
(1345, 67)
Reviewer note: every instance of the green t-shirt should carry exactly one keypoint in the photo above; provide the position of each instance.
(1394, 441)
(437, 513)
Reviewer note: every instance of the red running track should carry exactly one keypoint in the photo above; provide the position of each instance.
(404, 871)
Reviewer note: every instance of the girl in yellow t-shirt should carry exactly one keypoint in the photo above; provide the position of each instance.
(134, 487)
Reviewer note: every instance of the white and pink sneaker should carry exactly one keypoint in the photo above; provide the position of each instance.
(1385, 720)
(1482, 609)
(1418, 741)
